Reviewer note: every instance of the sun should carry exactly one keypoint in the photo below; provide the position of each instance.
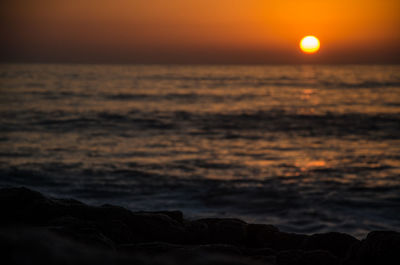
(309, 44)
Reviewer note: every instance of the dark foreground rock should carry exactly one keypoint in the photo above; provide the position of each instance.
(35, 229)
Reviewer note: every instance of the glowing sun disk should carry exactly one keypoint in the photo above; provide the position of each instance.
(309, 44)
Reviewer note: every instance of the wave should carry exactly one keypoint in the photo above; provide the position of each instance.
(180, 96)
(326, 205)
(364, 84)
(231, 125)
(278, 81)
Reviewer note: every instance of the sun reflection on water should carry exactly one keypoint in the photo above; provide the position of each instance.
(170, 130)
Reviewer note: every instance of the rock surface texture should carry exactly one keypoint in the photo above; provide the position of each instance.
(35, 229)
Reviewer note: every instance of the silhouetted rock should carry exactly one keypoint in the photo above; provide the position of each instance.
(380, 247)
(318, 257)
(336, 243)
(35, 229)
(155, 227)
(259, 234)
(23, 206)
(231, 231)
(260, 252)
(219, 249)
(175, 215)
(276, 240)
(117, 231)
(152, 248)
(197, 233)
(27, 246)
(82, 231)
(300, 257)
(289, 257)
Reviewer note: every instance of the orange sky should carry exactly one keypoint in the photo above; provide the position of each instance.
(199, 31)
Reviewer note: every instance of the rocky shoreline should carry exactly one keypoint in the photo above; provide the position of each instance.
(35, 229)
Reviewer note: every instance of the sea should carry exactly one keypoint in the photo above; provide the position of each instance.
(308, 148)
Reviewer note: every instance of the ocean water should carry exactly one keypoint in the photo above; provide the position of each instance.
(306, 148)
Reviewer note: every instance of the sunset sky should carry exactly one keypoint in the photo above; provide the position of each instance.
(199, 31)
